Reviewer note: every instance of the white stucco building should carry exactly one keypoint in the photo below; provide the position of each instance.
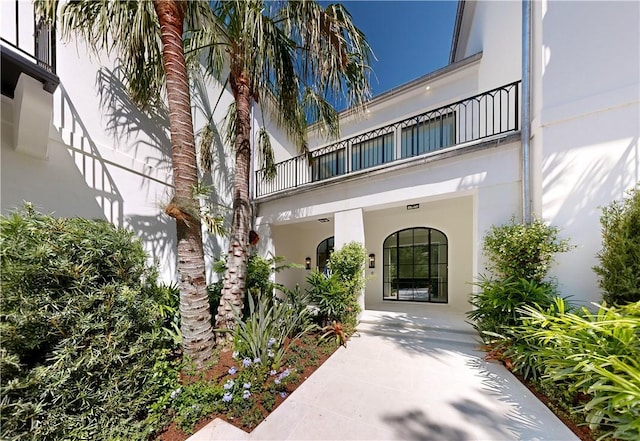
(434, 163)
(418, 179)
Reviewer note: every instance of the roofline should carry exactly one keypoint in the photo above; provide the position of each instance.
(449, 68)
(456, 30)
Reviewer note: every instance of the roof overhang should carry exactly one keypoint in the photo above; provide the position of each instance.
(13, 64)
(456, 30)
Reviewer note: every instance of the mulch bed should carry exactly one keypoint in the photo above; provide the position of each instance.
(582, 431)
(220, 372)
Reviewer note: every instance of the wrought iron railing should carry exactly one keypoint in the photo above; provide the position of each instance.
(482, 116)
(31, 37)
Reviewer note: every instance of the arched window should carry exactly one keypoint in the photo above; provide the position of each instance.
(324, 250)
(415, 266)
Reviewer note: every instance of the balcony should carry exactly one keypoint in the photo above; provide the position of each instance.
(489, 115)
(28, 46)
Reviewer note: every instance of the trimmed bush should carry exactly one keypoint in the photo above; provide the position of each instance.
(523, 251)
(619, 268)
(85, 348)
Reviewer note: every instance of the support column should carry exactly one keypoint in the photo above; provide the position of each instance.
(349, 227)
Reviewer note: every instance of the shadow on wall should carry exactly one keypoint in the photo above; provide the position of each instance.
(583, 194)
(125, 122)
(88, 160)
(156, 232)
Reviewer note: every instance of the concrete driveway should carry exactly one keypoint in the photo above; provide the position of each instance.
(406, 376)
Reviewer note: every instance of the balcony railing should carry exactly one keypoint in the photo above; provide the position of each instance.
(482, 116)
(27, 35)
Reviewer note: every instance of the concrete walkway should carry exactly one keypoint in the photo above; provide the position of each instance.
(415, 376)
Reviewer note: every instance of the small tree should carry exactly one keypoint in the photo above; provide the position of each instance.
(619, 269)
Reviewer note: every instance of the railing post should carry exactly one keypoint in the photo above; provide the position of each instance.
(517, 107)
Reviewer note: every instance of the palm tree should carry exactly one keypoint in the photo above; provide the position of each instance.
(293, 58)
(132, 30)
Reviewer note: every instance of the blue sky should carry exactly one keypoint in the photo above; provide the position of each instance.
(409, 38)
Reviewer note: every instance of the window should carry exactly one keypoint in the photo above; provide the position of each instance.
(415, 266)
(427, 136)
(372, 152)
(328, 165)
(324, 250)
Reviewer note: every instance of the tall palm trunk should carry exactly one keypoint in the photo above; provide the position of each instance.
(197, 333)
(234, 284)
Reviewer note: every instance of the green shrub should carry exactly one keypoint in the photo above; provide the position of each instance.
(330, 296)
(347, 265)
(498, 302)
(519, 258)
(269, 329)
(594, 355)
(85, 348)
(522, 251)
(619, 268)
(259, 272)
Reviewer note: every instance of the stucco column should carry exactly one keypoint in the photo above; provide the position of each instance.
(349, 227)
(32, 115)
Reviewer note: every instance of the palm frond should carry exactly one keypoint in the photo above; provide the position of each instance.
(267, 160)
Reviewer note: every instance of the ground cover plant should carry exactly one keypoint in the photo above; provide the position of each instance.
(275, 346)
(85, 337)
(593, 358)
(239, 390)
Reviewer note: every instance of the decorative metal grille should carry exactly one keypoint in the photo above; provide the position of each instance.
(488, 114)
(42, 49)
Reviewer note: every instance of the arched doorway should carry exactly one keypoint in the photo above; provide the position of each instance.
(415, 266)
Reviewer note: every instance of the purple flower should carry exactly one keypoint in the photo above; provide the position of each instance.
(271, 342)
(176, 392)
(272, 372)
(257, 360)
(284, 374)
(246, 385)
(228, 385)
(270, 353)
(246, 362)
(246, 394)
(277, 381)
(228, 396)
(233, 370)
(283, 394)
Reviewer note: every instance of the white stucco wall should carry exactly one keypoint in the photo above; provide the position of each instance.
(493, 27)
(105, 158)
(454, 217)
(586, 124)
(461, 196)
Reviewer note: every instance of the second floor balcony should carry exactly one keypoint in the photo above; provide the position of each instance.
(488, 115)
(28, 45)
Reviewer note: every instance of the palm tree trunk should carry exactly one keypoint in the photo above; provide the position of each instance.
(234, 284)
(197, 333)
